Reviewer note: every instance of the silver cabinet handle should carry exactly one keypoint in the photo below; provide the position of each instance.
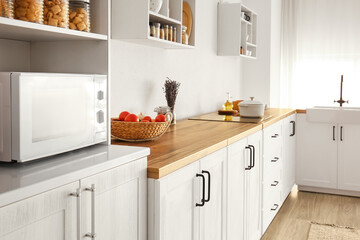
(275, 159)
(77, 194)
(275, 183)
(92, 235)
(275, 207)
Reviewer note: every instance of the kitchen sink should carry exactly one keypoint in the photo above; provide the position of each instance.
(344, 115)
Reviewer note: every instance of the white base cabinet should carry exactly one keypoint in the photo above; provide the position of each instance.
(244, 188)
(109, 205)
(327, 156)
(348, 157)
(316, 160)
(279, 167)
(51, 215)
(116, 207)
(191, 202)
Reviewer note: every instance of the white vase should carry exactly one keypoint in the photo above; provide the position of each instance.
(155, 5)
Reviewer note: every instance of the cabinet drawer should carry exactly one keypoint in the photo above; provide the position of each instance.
(272, 170)
(273, 140)
(271, 203)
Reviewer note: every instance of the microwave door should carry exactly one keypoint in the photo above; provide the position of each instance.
(56, 114)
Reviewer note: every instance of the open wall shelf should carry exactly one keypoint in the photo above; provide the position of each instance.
(237, 36)
(27, 31)
(130, 22)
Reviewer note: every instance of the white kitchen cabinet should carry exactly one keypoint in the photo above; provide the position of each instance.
(114, 203)
(51, 215)
(238, 154)
(236, 36)
(244, 188)
(316, 154)
(272, 166)
(348, 157)
(288, 160)
(181, 205)
(253, 180)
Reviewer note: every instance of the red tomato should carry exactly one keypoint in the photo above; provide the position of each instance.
(123, 115)
(132, 118)
(145, 120)
(160, 118)
(148, 118)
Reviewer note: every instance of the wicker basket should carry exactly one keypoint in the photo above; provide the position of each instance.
(138, 131)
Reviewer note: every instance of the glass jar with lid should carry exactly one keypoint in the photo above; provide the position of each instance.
(79, 15)
(6, 9)
(56, 13)
(29, 10)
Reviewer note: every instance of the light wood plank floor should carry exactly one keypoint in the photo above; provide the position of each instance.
(300, 208)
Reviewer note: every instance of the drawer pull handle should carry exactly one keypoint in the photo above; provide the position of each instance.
(209, 185)
(275, 159)
(203, 191)
(77, 194)
(92, 189)
(275, 183)
(251, 155)
(275, 207)
(294, 127)
(275, 136)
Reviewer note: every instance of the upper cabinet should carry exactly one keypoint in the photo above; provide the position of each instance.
(131, 21)
(237, 30)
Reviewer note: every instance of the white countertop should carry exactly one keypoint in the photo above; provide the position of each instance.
(22, 180)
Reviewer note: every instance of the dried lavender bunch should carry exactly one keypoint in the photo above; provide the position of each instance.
(171, 89)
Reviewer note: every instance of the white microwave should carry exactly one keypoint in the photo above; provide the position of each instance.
(43, 114)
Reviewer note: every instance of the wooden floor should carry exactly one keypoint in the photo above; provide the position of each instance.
(300, 208)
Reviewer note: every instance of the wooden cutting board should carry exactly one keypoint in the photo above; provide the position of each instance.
(187, 20)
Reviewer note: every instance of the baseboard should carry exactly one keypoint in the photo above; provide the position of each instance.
(329, 191)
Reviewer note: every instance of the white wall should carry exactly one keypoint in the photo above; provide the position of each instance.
(139, 72)
(261, 77)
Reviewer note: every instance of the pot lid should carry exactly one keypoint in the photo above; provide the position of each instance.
(251, 102)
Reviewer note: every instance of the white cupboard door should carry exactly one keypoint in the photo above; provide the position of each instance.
(213, 214)
(253, 183)
(237, 153)
(348, 158)
(316, 153)
(288, 160)
(120, 206)
(176, 214)
(50, 215)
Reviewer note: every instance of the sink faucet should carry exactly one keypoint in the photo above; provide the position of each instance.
(341, 100)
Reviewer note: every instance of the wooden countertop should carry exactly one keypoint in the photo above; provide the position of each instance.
(190, 140)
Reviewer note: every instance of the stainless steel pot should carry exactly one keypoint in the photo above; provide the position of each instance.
(251, 108)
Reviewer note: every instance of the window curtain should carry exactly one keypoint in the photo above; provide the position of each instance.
(320, 42)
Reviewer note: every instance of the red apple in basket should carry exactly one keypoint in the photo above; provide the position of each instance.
(123, 115)
(160, 118)
(132, 118)
(147, 118)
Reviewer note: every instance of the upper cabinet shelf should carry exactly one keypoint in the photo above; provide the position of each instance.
(27, 31)
(130, 22)
(237, 30)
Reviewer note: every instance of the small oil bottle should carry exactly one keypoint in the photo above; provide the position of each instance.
(228, 105)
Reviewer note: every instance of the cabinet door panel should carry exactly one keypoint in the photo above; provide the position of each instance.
(349, 159)
(288, 159)
(120, 202)
(177, 211)
(237, 156)
(253, 183)
(50, 215)
(316, 161)
(213, 214)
